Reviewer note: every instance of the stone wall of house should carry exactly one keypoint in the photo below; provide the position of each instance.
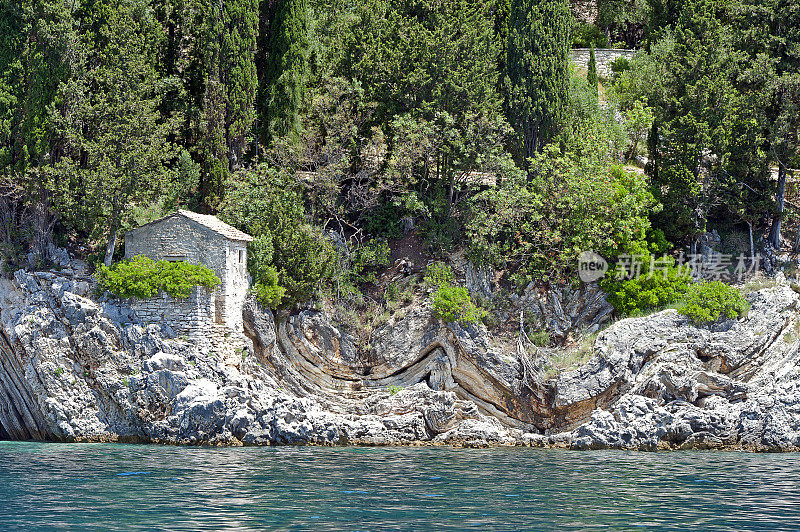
(235, 284)
(193, 316)
(603, 58)
(179, 238)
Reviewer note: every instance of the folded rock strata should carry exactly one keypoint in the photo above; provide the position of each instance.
(77, 369)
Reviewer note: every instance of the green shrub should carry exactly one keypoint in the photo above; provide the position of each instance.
(647, 291)
(664, 285)
(268, 204)
(394, 390)
(620, 64)
(585, 35)
(267, 290)
(707, 301)
(453, 304)
(536, 227)
(540, 337)
(369, 258)
(142, 278)
(438, 274)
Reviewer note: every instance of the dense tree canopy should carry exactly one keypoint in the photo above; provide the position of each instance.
(326, 127)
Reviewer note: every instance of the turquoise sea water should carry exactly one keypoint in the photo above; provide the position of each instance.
(133, 487)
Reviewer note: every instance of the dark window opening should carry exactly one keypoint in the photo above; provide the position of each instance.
(241, 256)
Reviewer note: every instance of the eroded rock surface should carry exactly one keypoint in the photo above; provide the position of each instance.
(77, 369)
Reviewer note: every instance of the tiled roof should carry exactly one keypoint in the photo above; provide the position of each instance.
(209, 221)
(217, 225)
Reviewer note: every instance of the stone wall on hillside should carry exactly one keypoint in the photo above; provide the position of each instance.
(603, 57)
(192, 316)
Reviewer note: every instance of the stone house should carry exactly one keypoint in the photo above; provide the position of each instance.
(197, 239)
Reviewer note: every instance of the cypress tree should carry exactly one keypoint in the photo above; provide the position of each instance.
(591, 77)
(537, 69)
(238, 74)
(221, 86)
(501, 12)
(287, 71)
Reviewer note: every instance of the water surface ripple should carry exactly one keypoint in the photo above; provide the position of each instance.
(130, 487)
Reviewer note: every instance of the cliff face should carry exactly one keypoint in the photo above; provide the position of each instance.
(75, 369)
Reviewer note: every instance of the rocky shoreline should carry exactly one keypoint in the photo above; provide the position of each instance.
(78, 368)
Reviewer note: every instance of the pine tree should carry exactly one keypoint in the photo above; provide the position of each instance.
(772, 28)
(287, 72)
(502, 9)
(125, 138)
(537, 69)
(39, 50)
(696, 122)
(591, 76)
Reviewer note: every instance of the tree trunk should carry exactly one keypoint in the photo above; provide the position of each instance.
(797, 240)
(531, 144)
(632, 151)
(113, 233)
(775, 231)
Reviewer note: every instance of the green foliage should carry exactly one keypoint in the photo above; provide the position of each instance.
(624, 20)
(115, 122)
(648, 291)
(266, 286)
(287, 71)
(702, 126)
(658, 281)
(591, 76)
(585, 35)
(537, 69)
(114, 113)
(589, 131)
(540, 337)
(367, 259)
(143, 278)
(431, 69)
(394, 390)
(438, 274)
(619, 65)
(708, 301)
(452, 304)
(268, 205)
(541, 225)
(638, 121)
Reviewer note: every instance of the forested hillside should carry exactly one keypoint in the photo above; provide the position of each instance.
(335, 131)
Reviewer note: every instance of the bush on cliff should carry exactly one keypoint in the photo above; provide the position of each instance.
(453, 304)
(266, 285)
(647, 291)
(438, 274)
(450, 303)
(142, 278)
(707, 301)
(658, 281)
(268, 204)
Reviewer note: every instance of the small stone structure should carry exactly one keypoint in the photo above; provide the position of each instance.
(603, 58)
(196, 239)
